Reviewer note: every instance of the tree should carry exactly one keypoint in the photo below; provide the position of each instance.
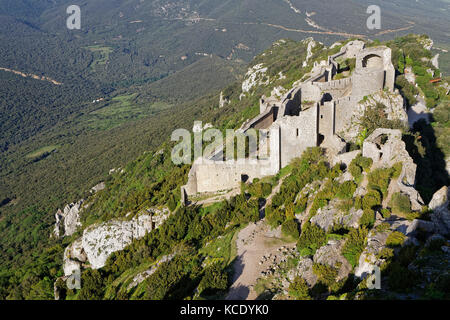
(290, 228)
(312, 238)
(214, 279)
(91, 285)
(299, 289)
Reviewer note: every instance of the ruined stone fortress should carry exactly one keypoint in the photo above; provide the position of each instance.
(314, 113)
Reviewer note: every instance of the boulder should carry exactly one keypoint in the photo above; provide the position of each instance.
(74, 256)
(386, 148)
(375, 243)
(330, 255)
(71, 216)
(330, 215)
(305, 271)
(441, 213)
(100, 241)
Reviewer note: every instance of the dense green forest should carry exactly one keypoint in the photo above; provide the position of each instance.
(153, 76)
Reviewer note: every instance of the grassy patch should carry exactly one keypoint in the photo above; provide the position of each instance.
(120, 110)
(42, 151)
(101, 55)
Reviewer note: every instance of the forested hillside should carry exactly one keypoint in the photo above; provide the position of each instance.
(75, 104)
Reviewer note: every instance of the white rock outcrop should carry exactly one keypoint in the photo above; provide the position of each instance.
(393, 107)
(100, 241)
(330, 255)
(255, 76)
(69, 219)
(441, 213)
(386, 148)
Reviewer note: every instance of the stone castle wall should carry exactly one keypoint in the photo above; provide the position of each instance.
(297, 134)
(309, 115)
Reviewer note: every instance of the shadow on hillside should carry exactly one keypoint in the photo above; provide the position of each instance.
(431, 174)
(237, 268)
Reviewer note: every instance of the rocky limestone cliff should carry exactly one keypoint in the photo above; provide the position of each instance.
(68, 219)
(394, 109)
(100, 241)
(386, 148)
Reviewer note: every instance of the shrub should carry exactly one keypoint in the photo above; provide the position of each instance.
(400, 204)
(355, 170)
(317, 204)
(383, 227)
(290, 228)
(346, 190)
(386, 213)
(325, 273)
(364, 163)
(312, 238)
(368, 218)
(358, 203)
(397, 170)
(385, 253)
(395, 239)
(346, 205)
(375, 117)
(400, 278)
(301, 205)
(379, 180)
(215, 279)
(298, 289)
(275, 216)
(371, 200)
(172, 203)
(260, 189)
(355, 245)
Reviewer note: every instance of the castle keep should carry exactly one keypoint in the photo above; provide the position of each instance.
(314, 113)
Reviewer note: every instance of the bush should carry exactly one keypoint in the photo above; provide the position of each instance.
(368, 218)
(355, 245)
(400, 278)
(400, 204)
(346, 190)
(275, 216)
(172, 203)
(371, 200)
(379, 180)
(299, 289)
(215, 279)
(355, 170)
(395, 239)
(325, 273)
(260, 189)
(312, 238)
(301, 205)
(290, 228)
(386, 213)
(317, 204)
(375, 117)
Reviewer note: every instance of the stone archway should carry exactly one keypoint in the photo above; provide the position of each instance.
(372, 61)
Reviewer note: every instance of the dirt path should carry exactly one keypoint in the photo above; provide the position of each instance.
(319, 29)
(253, 243)
(30, 75)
